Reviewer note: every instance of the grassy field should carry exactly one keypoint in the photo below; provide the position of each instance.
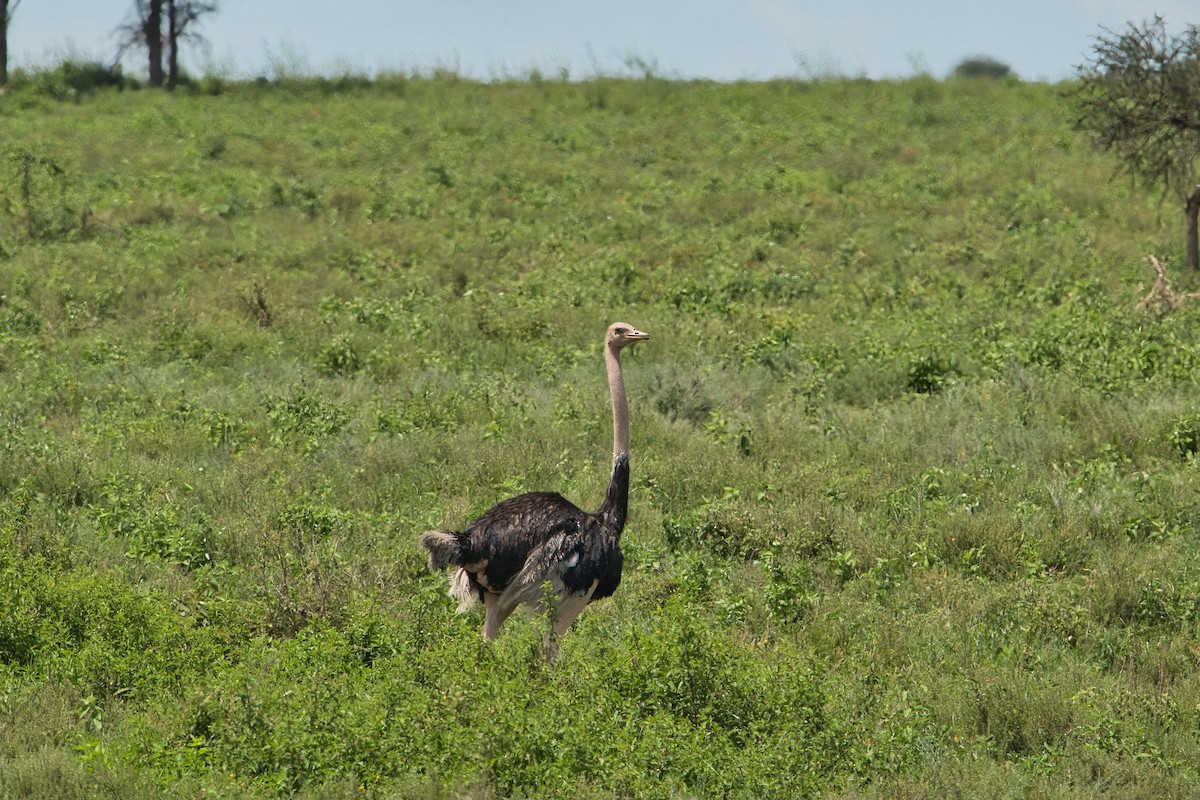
(915, 493)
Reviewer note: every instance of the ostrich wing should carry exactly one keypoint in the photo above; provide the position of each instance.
(503, 538)
(551, 562)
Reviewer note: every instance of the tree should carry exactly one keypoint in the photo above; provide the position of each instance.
(181, 18)
(982, 67)
(1139, 97)
(146, 30)
(7, 7)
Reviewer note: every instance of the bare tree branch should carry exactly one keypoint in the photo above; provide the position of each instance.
(160, 26)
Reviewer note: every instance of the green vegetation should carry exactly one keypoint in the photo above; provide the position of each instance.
(914, 507)
(982, 67)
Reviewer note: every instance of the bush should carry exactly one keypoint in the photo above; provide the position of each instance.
(1185, 436)
(71, 79)
(982, 67)
(929, 373)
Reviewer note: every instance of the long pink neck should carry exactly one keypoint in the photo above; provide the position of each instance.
(616, 500)
(620, 406)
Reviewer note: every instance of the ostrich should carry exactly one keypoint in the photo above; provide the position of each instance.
(508, 554)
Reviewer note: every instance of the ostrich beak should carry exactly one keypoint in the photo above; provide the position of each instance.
(636, 335)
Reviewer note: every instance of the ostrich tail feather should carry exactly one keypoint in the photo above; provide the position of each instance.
(462, 591)
(444, 548)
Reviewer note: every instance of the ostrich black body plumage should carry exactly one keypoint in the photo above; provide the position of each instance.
(514, 550)
(543, 529)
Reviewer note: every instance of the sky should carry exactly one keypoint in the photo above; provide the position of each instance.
(1040, 40)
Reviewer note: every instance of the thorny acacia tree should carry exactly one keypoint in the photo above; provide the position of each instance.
(1139, 97)
(146, 30)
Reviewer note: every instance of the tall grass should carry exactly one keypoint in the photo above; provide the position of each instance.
(914, 491)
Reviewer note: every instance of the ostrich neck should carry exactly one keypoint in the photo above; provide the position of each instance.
(620, 406)
(616, 499)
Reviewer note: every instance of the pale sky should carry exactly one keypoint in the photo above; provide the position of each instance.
(718, 39)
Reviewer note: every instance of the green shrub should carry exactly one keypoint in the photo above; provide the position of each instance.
(339, 357)
(929, 374)
(1184, 436)
(303, 415)
(71, 79)
(151, 527)
(981, 67)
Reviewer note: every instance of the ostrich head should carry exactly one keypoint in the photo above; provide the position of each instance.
(622, 334)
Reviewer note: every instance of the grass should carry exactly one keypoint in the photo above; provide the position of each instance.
(914, 490)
